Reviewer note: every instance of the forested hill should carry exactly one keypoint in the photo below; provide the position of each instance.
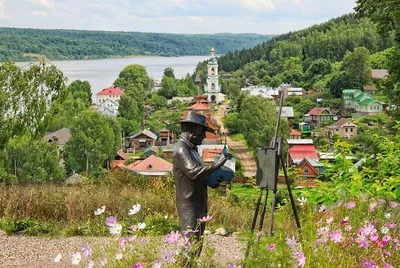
(329, 41)
(26, 44)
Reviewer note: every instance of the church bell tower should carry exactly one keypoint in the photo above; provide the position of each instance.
(212, 88)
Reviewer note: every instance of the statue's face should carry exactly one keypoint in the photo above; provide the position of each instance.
(198, 135)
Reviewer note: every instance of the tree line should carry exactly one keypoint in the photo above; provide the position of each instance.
(30, 44)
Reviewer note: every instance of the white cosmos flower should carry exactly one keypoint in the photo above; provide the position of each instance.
(57, 258)
(141, 226)
(76, 258)
(97, 212)
(118, 256)
(388, 215)
(384, 230)
(116, 229)
(135, 209)
(166, 217)
(302, 200)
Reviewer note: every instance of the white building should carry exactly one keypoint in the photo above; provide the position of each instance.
(112, 93)
(212, 88)
(108, 108)
(262, 91)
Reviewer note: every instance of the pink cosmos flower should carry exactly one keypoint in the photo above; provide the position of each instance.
(322, 209)
(205, 219)
(131, 238)
(291, 242)
(387, 253)
(90, 264)
(157, 264)
(350, 205)
(86, 250)
(301, 259)
(387, 265)
(122, 242)
(348, 228)
(387, 238)
(380, 202)
(234, 265)
(374, 236)
(110, 221)
(271, 247)
(259, 234)
(329, 220)
(393, 204)
(336, 236)
(372, 206)
(368, 264)
(391, 225)
(137, 265)
(172, 237)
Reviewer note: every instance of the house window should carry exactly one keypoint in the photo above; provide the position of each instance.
(306, 171)
(337, 129)
(351, 129)
(347, 130)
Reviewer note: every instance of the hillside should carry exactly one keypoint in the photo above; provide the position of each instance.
(330, 40)
(26, 44)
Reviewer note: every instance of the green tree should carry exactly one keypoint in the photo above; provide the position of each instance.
(356, 65)
(158, 101)
(94, 140)
(339, 82)
(169, 88)
(33, 160)
(134, 78)
(169, 72)
(26, 96)
(82, 90)
(130, 114)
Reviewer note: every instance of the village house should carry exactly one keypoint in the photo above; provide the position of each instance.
(151, 166)
(361, 103)
(151, 150)
(298, 152)
(379, 73)
(303, 126)
(113, 93)
(295, 91)
(200, 108)
(108, 108)
(262, 91)
(309, 171)
(294, 142)
(343, 127)
(142, 140)
(319, 116)
(59, 137)
(166, 136)
(287, 112)
(294, 135)
(370, 89)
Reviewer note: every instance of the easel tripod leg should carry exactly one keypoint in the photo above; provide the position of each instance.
(296, 217)
(271, 223)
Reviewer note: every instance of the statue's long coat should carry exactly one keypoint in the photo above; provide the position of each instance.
(190, 176)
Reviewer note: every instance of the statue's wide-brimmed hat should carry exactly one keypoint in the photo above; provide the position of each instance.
(198, 119)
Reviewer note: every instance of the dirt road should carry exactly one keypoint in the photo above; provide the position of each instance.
(240, 149)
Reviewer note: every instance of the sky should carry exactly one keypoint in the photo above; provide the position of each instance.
(172, 16)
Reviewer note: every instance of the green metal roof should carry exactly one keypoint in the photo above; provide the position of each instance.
(367, 101)
(349, 91)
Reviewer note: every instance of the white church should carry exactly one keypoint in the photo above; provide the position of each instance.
(211, 87)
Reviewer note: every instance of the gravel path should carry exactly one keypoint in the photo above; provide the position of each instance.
(240, 149)
(21, 251)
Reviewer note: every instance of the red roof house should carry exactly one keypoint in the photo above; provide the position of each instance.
(294, 135)
(152, 166)
(113, 90)
(210, 154)
(317, 111)
(298, 152)
(308, 173)
(319, 115)
(199, 107)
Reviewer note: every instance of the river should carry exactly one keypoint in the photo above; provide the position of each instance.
(102, 73)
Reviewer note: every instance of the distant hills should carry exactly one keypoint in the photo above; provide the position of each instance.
(30, 44)
(330, 40)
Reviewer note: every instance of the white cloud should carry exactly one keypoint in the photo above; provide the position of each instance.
(179, 3)
(258, 5)
(3, 15)
(41, 13)
(43, 3)
(196, 19)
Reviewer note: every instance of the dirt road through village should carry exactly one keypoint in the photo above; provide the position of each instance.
(239, 148)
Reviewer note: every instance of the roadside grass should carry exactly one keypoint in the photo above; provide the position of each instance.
(57, 210)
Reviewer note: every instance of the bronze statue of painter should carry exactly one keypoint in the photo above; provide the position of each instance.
(190, 173)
